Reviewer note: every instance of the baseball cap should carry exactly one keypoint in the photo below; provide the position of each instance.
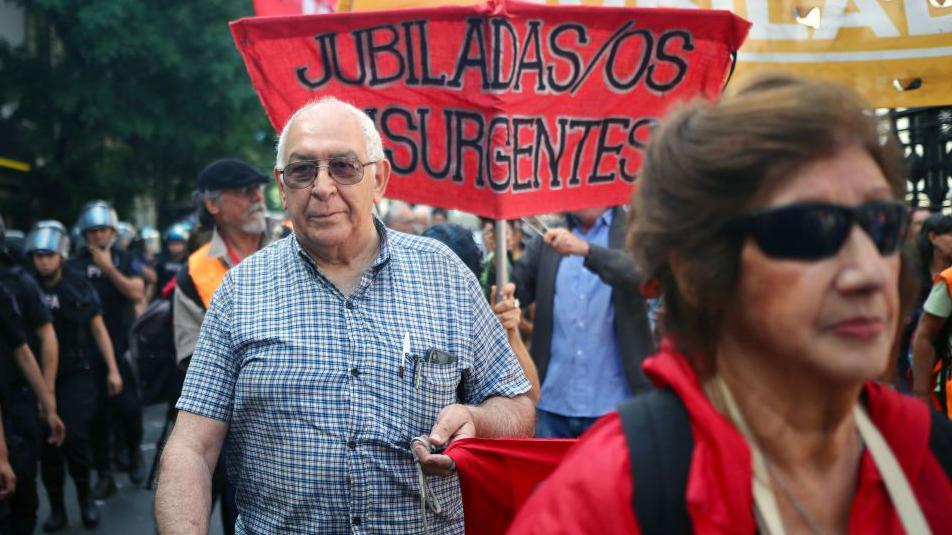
(229, 173)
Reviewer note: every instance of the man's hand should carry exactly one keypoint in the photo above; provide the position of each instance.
(57, 429)
(507, 311)
(114, 383)
(454, 421)
(101, 257)
(8, 480)
(566, 243)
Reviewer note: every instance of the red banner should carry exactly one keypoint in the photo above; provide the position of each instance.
(497, 476)
(503, 110)
(279, 8)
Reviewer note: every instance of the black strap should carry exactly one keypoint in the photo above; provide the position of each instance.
(660, 444)
(731, 73)
(940, 441)
(185, 284)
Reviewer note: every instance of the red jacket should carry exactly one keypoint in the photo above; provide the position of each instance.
(591, 491)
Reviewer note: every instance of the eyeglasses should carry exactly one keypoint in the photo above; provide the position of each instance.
(343, 169)
(813, 231)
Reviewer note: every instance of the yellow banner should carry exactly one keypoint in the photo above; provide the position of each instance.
(896, 52)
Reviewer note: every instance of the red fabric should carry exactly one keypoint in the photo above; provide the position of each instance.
(591, 490)
(497, 476)
(168, 289)
(504, 109)
(277, 8)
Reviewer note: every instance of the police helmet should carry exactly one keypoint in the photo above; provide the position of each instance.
(151, 240)
(97, 214)
(48, 237)
(177, 232)
(125, 233)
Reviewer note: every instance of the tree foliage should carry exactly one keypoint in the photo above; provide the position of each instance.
(120, 97)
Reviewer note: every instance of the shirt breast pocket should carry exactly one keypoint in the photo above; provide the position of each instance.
(436, 388)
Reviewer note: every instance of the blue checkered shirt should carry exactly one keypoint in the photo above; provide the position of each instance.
(320, 398)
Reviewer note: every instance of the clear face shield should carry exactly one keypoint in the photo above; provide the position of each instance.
(125, 233)
(98, 215)
(151, 241)
(48, 239)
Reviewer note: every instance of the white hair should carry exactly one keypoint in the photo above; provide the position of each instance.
(371, 136)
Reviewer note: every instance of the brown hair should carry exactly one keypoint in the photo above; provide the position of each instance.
(709, 161)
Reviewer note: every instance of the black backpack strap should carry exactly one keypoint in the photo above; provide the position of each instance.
(940, 441)
(185, 284)
(660, 444)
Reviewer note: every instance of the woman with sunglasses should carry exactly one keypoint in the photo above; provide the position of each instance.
(772, 222)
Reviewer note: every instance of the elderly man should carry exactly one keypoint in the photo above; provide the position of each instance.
(324, 354)
(231, 203)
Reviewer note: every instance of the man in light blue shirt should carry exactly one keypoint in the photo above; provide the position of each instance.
(591, 328)
(324, 354)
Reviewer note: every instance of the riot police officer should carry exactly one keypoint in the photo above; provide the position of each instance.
(171, 260)
(11, 336)
(22, 386)
(8, 478)
(119, 284)
(77, 317)
(39, 327)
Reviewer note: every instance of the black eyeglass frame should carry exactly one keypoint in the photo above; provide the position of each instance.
(766, 228)
(325, 162)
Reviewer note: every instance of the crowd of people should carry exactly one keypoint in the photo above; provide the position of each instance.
(74, 312)
(730, 347)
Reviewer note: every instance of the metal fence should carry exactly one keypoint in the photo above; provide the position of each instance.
(926, 134)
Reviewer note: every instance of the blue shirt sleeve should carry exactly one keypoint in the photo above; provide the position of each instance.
(213, 371)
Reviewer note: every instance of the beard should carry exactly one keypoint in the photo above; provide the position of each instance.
(255, 223)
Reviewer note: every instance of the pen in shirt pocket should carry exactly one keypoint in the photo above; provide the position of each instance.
(405, 356)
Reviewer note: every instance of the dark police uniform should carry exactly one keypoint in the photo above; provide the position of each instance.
(166, 268)
(122, 412)
(21, 406)
(19, 446)
(73, 303)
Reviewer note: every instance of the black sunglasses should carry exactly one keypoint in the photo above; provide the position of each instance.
(812, 231)
(343, 169)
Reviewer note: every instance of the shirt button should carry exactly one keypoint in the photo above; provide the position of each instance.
(355, 521)
(355, 372)
(349, 305)
(352, 444)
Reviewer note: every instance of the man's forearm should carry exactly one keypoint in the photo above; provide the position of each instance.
(31, 372)
(525, 360)
(183, 496)
(49, 354)
(500, 416)
(614, 266)
(104, 343)
(133, 288)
